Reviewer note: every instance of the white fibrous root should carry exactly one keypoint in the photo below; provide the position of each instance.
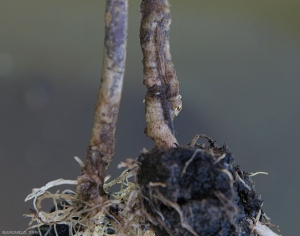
(261, 229)
(69, 210)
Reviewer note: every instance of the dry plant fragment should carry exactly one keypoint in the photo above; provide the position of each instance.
(101, 145)
(162, 100)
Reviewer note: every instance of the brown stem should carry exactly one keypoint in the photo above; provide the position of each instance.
(162, 100)
(101, 145)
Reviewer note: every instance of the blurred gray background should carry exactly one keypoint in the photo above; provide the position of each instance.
(238, 63)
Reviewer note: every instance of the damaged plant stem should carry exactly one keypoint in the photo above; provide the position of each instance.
(101, 146)
(174, 180)
(162, 101)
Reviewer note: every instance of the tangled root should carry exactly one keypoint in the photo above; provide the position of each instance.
(192, 190)
(120, 214)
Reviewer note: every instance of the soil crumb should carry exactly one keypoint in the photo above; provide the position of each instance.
(197, 190)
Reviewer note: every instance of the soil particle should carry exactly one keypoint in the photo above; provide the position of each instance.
(197, 191)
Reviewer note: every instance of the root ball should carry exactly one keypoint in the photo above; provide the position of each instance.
(196, 191)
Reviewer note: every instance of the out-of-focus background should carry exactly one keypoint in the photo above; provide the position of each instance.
(238, 63)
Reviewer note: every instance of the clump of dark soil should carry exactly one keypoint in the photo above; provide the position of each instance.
(197, 191)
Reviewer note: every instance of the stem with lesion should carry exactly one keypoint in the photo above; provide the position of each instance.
(101, 145)
(162, 100)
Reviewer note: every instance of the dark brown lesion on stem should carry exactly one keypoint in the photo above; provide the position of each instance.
(162, 101)
(101, 146)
